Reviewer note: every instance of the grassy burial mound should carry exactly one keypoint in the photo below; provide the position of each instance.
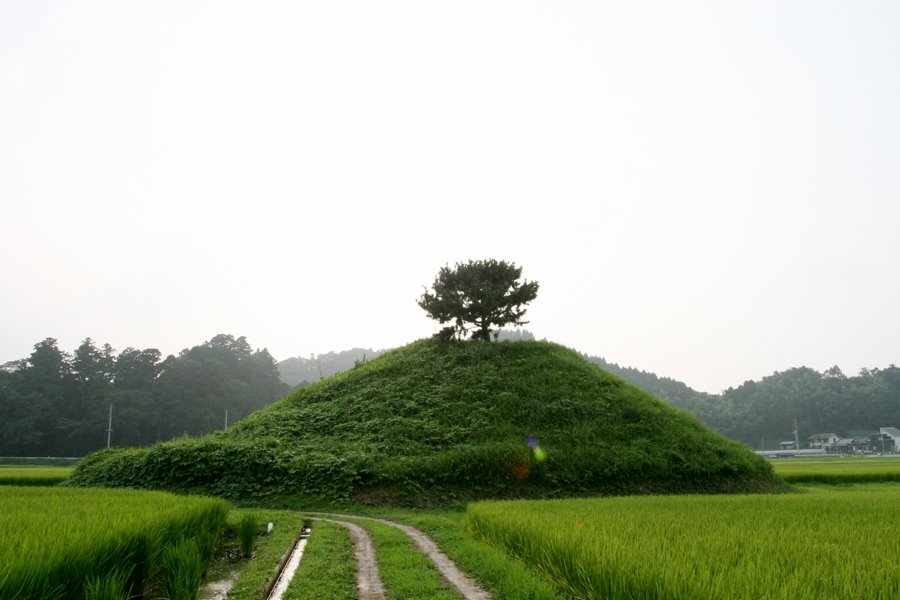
(443, 421)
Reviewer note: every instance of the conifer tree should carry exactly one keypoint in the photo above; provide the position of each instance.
(478, 296)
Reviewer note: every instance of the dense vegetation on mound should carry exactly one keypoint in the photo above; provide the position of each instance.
(439, 421)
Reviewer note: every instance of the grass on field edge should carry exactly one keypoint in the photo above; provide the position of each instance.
(328, 568)
(841, 478)
(28, 475)
(32, 481)
(838, 470)
(502, 575)
(405, 571)
(268, 550)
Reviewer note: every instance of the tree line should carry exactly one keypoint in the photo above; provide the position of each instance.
(54, 403)
(761, 413)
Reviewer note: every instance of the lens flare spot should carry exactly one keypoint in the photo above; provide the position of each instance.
(539, 454)
(519, 470)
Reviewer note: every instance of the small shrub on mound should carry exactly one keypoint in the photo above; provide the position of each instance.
(443, 421)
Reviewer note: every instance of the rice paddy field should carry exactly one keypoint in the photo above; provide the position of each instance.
(822, 544)
(838, 469)
(26, 475)
(58, 543)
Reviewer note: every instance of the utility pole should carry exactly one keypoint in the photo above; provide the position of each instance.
(109, 427)
(796, 436)
(226, 418)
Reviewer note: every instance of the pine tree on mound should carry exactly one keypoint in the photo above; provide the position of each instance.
(437, 422)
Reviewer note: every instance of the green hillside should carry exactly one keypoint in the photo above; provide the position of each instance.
(438, 422)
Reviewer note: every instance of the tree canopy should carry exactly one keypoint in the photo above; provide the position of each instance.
(57, 404)
(761, 413)
(478, 297)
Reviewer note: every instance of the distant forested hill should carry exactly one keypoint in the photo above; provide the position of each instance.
(674, 392)
(764, 411)
(821, 402)
(299, 370)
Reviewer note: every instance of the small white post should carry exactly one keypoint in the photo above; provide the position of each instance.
(109, 427)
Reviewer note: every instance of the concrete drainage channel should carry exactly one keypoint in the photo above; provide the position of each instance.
(368, 582)
(288, 565)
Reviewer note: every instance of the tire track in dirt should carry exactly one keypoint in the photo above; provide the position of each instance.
(368, 581)
(462, 583)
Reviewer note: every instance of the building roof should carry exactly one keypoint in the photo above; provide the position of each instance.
(852, 442)
(891, 431)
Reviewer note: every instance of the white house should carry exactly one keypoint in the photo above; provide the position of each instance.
(823, 440)
(894, 434)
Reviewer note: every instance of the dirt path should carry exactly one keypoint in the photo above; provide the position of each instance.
(462, 583)
(368, 582)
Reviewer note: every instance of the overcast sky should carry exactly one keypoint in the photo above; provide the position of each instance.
(709, 191)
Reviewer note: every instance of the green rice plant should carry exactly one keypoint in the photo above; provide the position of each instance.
(822, 545)
(834, 470)
(248, 528)
(39, 476)
(13, 461)
(56, 541)
(113, 586)
(184, 566)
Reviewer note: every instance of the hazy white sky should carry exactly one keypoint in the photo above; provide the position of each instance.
(709, 190)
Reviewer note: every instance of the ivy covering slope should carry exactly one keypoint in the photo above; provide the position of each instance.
(437, 422)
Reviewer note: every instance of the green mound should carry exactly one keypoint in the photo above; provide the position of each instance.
(445, 421)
